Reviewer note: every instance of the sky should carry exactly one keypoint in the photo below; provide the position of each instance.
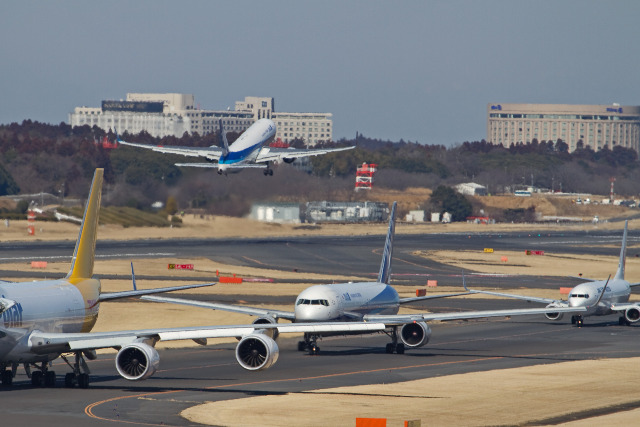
(421, 71)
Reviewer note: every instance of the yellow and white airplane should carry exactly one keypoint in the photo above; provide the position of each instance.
(44, 320)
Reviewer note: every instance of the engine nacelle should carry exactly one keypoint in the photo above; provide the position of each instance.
(554, 315)
(256, 352)
(415, 334)
(289, 159)
(137, 361)
(271, 332)
(632, 314)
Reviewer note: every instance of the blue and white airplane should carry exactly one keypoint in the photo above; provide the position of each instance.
(600, 297)
(353, 303)
(248, 151)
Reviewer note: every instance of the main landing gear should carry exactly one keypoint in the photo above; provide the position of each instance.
(394, 345)
(80, 374)
(268, 171)
(7, 374)
(577, 320)
(622, 321)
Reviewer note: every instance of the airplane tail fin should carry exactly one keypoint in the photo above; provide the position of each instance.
(84, 253)
(385, 266)
(223, 138)
(623, 254)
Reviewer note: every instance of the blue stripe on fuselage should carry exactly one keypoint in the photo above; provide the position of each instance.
(238, 156)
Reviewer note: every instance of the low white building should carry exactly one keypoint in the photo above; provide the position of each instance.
(471, 189)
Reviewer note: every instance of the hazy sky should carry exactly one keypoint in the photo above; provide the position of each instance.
(417, 70)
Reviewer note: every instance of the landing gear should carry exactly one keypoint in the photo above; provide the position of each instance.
(7, 377)
(394, 345)
(622, 321)
(268, 171)
(42, 377)
(80, 374)
(310, 344)
(577, 320)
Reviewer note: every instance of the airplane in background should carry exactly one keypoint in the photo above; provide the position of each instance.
(350, 303)
(248, 151)
(600, 297)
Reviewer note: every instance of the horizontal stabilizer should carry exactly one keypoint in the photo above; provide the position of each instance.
(216, 165)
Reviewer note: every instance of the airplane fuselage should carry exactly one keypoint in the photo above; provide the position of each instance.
(345, 301)
(586, 295)
(55, 306)
(246, 148)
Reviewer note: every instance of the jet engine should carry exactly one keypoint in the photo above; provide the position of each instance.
(289, 159)
(257, 351)
(415, 334)
(552, 315)
(632, 314)
(137, 361)
(271, 332)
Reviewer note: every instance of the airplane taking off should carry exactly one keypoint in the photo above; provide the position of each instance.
(248, 151)
(600, 297)
(367, 302)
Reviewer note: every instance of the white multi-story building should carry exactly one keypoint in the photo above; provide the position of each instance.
(596, 126)
(164, 114)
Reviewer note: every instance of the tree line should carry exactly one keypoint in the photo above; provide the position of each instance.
(60, 159)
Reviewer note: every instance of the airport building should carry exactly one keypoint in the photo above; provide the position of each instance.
(595, 126)
(173, 114)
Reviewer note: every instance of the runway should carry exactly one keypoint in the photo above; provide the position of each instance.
(195, 375)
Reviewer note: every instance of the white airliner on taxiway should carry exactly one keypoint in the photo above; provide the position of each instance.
(44, 320)
(600, 297)
(248, 151)
(368, 302)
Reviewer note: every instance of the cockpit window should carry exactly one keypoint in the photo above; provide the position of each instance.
(313, 302)
(580, 296)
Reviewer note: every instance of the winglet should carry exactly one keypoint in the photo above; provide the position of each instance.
(133, 278)
(84, 253)
(604, 289)
(385, 266)
(623, 254)
(223, 138)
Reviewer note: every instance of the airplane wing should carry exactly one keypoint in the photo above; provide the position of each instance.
(401, 319)
(211, 153)
(414, 299)
(271, 154)
(251, 311)
(136, 293)
(44, 343)
(521, 297)
(215, 165)
(625, 306)
(631, 285)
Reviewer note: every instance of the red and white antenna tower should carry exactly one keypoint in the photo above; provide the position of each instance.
(612, 180)
(364, 176)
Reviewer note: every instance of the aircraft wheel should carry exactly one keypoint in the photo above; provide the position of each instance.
(7, 378)
(389, 348)
(70, 380)
(400, 349)
(37, 379)
(270, 172)
(314, 349)
(83, 380)
(573, 320)
(302, 345)
(50, 379)
(579, 322)
(265, 172)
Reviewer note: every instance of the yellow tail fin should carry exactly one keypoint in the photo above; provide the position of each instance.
(83, 255)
